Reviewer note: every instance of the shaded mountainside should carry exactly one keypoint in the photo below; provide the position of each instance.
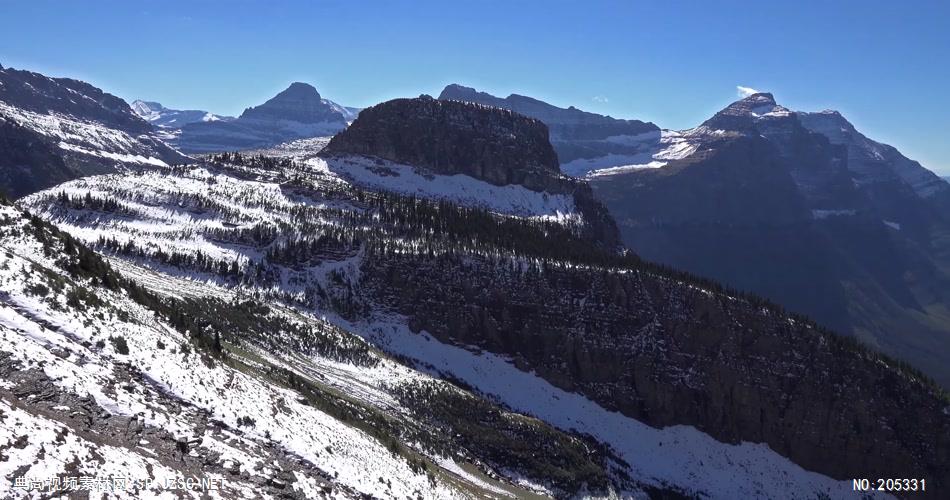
(55, 129)
(575, 134)
(813, 216)
(560, 329)
(295, 113)
(38, 93)
(667, 354)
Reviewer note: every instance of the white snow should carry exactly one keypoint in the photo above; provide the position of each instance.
(462, 189)
(656, 150)
(819, 214)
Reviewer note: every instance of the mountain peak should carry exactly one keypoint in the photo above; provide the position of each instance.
(742, 114)
(299, 89)
(146, 108)
(299, 102)
(761, 98)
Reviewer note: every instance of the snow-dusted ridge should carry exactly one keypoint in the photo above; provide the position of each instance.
(510, 199)
(75, 136)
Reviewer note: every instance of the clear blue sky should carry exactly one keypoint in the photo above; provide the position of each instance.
(886, 65)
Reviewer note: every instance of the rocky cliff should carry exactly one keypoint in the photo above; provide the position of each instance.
(445, 137)
(665, 353)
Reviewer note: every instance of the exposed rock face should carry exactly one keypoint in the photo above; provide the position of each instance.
(875, 165)
(666, 354)
(804, 210)
(574, 133)
(298, 112)
(448, 138)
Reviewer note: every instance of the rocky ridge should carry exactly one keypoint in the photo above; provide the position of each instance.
(575, 134)
(57, 129)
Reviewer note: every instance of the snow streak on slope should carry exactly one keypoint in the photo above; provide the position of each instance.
(88, 138)
(511, 199)
(654, 151)
(678, 455)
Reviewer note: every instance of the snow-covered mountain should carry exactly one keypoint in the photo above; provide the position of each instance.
(56, 129)
(298, 112)
(160, 116)
(805, 210)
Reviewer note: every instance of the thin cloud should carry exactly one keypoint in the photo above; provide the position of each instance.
(745, 91)
(601, 99)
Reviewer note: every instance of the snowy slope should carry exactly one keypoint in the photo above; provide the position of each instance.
(82, 139)
(511, 199)
(181, 413)
(154, 213)
(653, 150)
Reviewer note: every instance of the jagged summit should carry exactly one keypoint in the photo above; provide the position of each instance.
(741, 115)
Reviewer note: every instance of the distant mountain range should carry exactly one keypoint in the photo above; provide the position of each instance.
(296, 113)
(161, 116)
(56, 129)
(578, 136)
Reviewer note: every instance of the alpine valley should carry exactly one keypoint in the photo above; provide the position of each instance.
(465, 297)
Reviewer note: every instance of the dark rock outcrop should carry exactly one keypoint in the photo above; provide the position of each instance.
(447, 137)
(491, 144)
(28, 162)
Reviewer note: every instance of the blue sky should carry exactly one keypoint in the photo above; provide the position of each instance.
(885, 65)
